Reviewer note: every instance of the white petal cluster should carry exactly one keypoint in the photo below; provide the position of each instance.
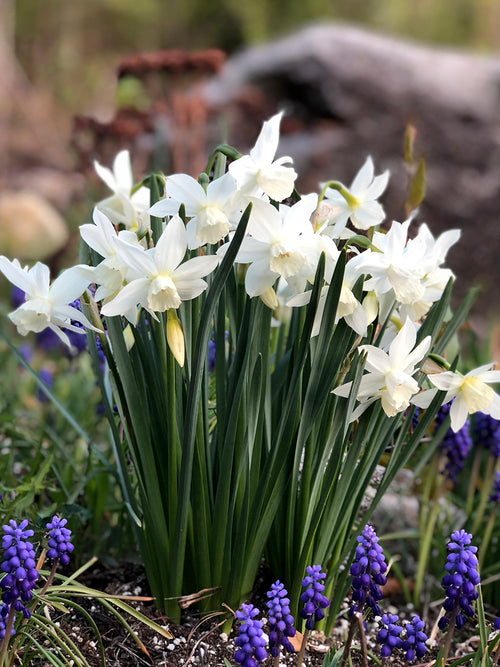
(470, 393)
(47, 305)
(124, 207)
(391, 284)
(390, 374)
(358, 203)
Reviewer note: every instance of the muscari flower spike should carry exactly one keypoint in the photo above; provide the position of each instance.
(495, 491)
(59, 540)
(250, 639)
(4, 612)
(461, 579)
(280, 619)
(19, 565)
(486, 432)
(455, 445)
(314, 600)
(368, 572)
(414, 644)
(388, 635)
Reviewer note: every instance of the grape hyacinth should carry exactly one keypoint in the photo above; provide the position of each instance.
(314, 600)
(414, 643)
(461, 579)
(4, 612)
(486, 432)
(388, 636)
(368, 572)
(455, 446)
(495, 491)
(280, 620)
(496, 624)
(19, 566)
(250, 639)
(59, 540)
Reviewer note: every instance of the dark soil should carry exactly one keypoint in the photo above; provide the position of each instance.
(197, 641)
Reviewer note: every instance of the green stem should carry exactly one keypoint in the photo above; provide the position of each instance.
(487, 535)
(426, 541)
(471, 491)
(485, 492)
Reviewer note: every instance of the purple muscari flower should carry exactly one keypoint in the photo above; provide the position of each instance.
(280, 620)
(486, 432)
(46, 377)
(47, 340)
(388, 636)
(211, 355)
(368, 572)
(313, 598)
(4, 612)
(495, 491)
(455, 446)
(26, 352)
(59, 540)
(19, 565)
(17, 296)
(496, 624)
(414, 644)
(78, 341)
(460, 580)
(250, 640)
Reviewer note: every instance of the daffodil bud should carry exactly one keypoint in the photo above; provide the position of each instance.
(175, 336)
(370, 306)
(128, 335)
(269, 298)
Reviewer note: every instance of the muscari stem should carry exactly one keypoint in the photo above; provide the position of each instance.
(51, 577)
(449, 634)
(347, 646)
(362, 638)
(6, 639)
(302, 648)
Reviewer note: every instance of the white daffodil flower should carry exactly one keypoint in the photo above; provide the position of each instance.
(470, 393)
(259, 173)
(123, 207)
(212, 213)
(390, 375)
(357, 203)
(398, 265)
(111, 273)
(348, 307)
(162, 281)
(435, 278)
(46, 305)
(281, 243)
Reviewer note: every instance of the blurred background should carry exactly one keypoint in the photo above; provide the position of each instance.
(81, 80)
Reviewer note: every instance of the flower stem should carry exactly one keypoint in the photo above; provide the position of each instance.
(302, 648)
(6, 639)
(449, 634)
(485, 492)
(51, 577)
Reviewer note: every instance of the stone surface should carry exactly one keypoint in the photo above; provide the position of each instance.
(30, 227)
(349, 93)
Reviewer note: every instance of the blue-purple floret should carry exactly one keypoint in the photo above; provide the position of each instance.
(59, 540)
(495, 491)
(414, 643)
(486, 432)
(368, 572)
(455, 446)
(280, 620)
(250, 640)
(496, 624)
(312, 597)
(19, 566)
(388, 635)
(460, 580)
(4, 612)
